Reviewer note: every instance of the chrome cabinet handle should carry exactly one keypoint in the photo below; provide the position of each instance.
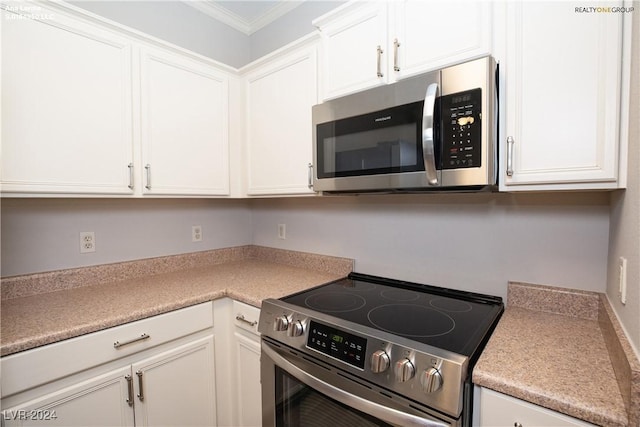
(148, 168)
(396, 45)
(310, 177)
(384, 413)
(130, 176)
(142, 337)
(141, 394)
(380, 52)
(130, 389)
(517, 424)
(428, 149)
(510, 143)
(241, 318)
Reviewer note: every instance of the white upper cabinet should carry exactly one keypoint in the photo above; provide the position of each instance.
(562, 74)
(354, 48)
(365, 44)
(185, 132)
(433, 34)
(66, 106)
(280, 92)
(90, 109)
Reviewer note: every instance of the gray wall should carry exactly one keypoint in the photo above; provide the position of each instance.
(474, 241)
(43, 234)
(290, 27)
(468, 241)
(177, 23)
(625, 214)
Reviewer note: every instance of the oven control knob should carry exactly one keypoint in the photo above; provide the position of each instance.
(296, 328)
(379, 361)
(404, 370)
(431, 380)
(281, 323)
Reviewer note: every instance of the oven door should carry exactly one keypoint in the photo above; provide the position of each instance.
(299, 390)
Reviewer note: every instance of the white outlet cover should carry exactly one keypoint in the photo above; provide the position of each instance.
(196, 233)
(87, 242)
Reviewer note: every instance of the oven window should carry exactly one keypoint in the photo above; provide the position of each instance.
(299, 405)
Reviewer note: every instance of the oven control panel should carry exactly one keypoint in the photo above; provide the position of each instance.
(338, 344)
(430, 376)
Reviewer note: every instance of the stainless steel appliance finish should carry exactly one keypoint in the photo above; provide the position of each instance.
(435, 131)
(339, 346)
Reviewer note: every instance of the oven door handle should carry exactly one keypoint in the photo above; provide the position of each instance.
(428, 143)
(381, 412)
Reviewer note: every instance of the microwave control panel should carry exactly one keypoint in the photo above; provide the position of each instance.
(461, 129)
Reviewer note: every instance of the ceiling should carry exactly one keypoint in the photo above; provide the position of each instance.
(247, 16)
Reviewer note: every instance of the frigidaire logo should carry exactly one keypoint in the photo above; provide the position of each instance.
(383, 119)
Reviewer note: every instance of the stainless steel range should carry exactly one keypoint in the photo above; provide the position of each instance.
(367, 350)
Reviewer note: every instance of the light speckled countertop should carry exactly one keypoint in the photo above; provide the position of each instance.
(553, 347)
(42, 318)
(550, 348)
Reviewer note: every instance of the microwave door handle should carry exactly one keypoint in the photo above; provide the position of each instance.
(384, 413)
(428, 145)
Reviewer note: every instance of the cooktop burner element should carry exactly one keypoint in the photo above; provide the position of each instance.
(443, 318)
(411, 320)
(334, 302)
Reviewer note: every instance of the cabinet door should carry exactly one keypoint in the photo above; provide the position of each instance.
(431, 34)
(248, 380)
(562, 111)
(176, 388)
(354, 48)
(280, 95)
(185, 129)
(99, 401)
(66, 106)
(498, 410)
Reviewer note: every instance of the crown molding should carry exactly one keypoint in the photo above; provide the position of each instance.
(248, 27)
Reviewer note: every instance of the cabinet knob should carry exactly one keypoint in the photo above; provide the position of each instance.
(517, 424)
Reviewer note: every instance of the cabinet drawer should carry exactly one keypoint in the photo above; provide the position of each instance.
(246, 316)
(34, 367)
(499, 410)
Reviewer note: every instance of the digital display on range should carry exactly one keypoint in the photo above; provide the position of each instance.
(338, 344)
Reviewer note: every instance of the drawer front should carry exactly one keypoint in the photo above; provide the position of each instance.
(499, 410)
(34, 367)
(246, 316)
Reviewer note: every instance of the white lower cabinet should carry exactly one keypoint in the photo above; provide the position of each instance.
(499, 410)
(238, 363)
(247, 347)
(176, 387)
(98, 401)
(167, 378)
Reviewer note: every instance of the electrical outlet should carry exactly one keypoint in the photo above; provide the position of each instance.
(282, 231)
(622, 279)
(87, 242)
(196, 233)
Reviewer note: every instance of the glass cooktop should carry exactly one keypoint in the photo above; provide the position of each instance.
(452, 320)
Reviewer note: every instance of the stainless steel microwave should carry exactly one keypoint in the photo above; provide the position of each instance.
(435, 131)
